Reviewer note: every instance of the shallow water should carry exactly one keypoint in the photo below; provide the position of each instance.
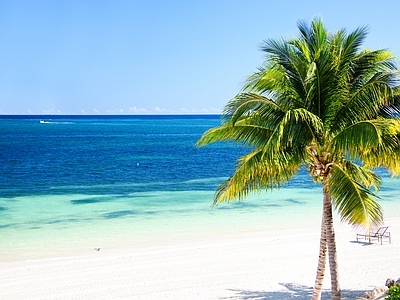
(75, 183)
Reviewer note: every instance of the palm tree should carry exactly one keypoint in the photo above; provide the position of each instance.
(319, 102)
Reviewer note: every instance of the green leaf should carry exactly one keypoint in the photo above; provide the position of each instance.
(348, 186)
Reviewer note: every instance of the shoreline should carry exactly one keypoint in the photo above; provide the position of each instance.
(274, 264)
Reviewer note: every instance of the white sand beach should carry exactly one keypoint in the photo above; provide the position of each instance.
(278, 264)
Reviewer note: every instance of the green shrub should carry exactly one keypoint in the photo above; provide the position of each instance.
(393, 293)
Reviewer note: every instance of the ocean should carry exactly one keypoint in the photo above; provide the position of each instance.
(75, 183)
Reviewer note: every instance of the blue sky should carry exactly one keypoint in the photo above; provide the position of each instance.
(151, 57)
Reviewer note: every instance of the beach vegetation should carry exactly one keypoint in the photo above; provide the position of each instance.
(319, 101)
(393, 293)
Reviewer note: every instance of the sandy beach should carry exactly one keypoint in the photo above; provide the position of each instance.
(277, 264)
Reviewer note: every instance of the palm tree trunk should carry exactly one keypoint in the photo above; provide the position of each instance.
(330, 237)
(321, 263)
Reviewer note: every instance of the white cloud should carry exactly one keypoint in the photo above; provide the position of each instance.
(184, 110)
(160, 110)
(115, 111)
(200, 111)
(51, 111)
(138, 110)
(213, 110)
(96, 110)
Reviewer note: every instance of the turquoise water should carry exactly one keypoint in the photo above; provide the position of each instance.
(74, 183)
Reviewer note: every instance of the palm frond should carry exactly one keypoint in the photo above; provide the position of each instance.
(355, 203)
(362, 175)
(255, 172)
(387, 153)
(299, 123)
(375, 142)
(357, 137)
(246, 104)
(348, 47)
(249, 135)
(369, 91)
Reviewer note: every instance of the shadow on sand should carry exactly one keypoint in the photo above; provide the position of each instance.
(294, 291)
(362, 243)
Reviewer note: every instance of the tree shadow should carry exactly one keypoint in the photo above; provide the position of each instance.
(294, 291)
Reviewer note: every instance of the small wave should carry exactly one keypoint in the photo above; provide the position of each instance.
(54, 122)
(205, 180)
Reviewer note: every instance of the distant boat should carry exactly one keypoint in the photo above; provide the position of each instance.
(43, 122)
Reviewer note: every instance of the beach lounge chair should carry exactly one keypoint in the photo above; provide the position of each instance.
(379, 235)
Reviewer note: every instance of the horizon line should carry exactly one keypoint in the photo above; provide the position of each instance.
(109, 115)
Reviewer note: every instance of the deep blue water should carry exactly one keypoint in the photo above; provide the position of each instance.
(110, 154)
(114, 155)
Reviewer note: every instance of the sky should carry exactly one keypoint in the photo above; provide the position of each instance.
(155, 57)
